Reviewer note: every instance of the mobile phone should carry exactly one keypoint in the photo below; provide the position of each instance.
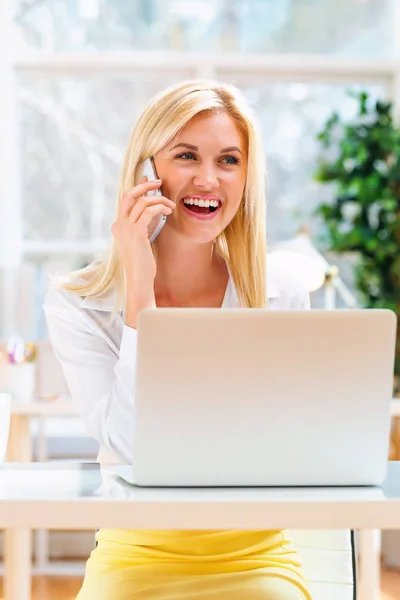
(149, 169)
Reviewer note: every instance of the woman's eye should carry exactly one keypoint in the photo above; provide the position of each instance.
(231, 160)
(185, 155)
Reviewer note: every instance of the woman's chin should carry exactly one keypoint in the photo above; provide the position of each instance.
(201, 235)
(198, 232)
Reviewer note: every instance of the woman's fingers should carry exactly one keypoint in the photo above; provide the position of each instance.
(124, 228)
(150, 212)
(137, 210)
(145, 202)
(129, 199)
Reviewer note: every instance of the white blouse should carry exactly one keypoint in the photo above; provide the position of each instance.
(98, 357)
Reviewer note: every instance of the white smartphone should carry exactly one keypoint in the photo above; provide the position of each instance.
(149, 169)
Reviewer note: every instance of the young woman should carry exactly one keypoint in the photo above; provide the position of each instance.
(211, 253)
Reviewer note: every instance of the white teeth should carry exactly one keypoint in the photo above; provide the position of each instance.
(201, 202)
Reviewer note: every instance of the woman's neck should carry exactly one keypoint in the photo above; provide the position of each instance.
(187, 271)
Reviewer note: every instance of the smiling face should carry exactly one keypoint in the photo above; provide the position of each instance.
(204, 170)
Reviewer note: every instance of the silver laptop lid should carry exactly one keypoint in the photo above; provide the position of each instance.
(261, 397)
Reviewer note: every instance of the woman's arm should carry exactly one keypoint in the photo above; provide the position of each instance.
(101, 381)
(100, 375)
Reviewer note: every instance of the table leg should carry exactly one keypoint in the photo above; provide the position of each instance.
(17, 561)
(369, 551)
(19, 447)
(42, 535)
(18, 542)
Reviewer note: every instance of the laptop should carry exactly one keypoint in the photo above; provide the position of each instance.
(255, 397)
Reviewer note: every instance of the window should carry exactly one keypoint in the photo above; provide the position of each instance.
(74, 131)
(80, 72)
(353, 28)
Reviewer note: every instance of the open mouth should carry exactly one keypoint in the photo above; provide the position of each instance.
(201, 208)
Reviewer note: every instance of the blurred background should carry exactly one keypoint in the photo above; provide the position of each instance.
(324, 78)
(76, 74)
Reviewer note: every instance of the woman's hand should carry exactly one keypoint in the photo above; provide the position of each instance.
(130, 230)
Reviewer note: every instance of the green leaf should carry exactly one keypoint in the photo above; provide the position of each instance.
(364, 214)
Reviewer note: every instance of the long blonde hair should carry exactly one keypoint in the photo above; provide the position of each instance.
(243, 243)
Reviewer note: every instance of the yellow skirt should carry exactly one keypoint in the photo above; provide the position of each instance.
(193, 565)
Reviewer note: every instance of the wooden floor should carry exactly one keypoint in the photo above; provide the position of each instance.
(390, 589)
(66, 588)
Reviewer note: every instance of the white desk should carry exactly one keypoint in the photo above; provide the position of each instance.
(44, 408)
(79, 496)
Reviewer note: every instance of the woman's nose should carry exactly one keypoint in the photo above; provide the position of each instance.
(206, 177)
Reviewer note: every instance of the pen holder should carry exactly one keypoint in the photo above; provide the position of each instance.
(18, 380)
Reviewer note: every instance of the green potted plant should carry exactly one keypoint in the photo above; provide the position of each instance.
(361, 159)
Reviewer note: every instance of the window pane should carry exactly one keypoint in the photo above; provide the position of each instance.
(33, 283)
(348, 28)
(74, 132)
(291, 115)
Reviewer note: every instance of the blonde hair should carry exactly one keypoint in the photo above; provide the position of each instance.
(243, 243)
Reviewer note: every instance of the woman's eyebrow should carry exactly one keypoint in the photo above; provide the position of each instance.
(191, 147)
(231, 149)
(183, 145)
